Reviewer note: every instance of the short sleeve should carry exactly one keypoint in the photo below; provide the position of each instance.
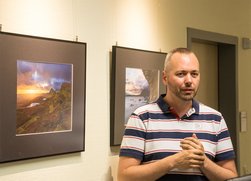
(224, 149)
(133, 142)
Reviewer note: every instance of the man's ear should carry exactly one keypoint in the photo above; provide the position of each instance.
(164, 77)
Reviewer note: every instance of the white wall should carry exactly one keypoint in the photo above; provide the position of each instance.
(144, 24)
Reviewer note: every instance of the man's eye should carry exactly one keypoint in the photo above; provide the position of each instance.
(180, 74)
(195, 74)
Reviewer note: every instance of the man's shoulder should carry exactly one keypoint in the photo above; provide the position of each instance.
(150, 107)
(207, 109)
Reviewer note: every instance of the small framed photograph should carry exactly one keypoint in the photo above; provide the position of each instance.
(42, 95)
(135, 81)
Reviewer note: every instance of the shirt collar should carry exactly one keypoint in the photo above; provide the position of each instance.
(166, 108)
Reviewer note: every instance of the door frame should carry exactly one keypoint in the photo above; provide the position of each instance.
(227, 78)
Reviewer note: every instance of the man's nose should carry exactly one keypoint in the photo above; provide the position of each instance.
(188, 78)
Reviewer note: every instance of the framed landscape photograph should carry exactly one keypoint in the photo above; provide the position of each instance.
(135, 81)
(42, 95)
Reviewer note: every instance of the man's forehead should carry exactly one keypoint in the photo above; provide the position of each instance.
(184, 61)
(181, 65)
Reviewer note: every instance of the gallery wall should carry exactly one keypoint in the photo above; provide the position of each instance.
(157, 25)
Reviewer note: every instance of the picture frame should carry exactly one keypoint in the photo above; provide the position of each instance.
(127, 64)
(42, 96)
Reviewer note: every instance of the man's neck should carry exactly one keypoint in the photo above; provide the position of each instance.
(178, 105)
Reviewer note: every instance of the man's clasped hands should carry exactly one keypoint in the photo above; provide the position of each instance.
(192, 154)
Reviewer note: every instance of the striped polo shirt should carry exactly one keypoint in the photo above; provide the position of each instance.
(153, 132)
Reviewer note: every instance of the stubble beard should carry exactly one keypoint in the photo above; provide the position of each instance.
(185, 96)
